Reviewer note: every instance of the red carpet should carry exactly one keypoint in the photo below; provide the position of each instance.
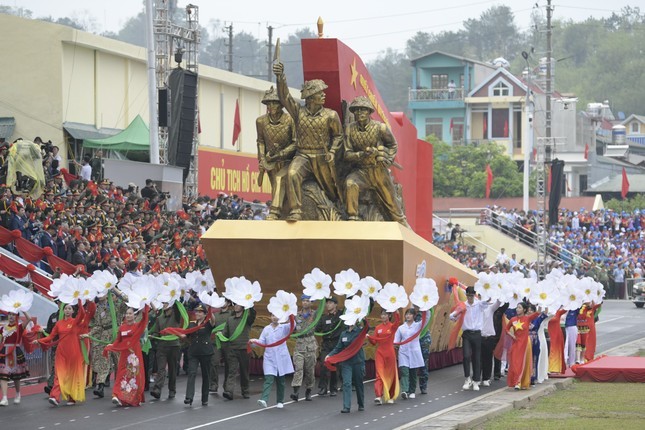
(612, 369)
(28, 390)
(567, 374)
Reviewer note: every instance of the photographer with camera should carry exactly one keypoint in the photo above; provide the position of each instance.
(456, 233)
(150, 190)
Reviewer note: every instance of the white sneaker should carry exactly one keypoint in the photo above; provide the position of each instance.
(279, 405)
(378, 401)
(404, 395)
(412, 396)
(4, 402)
(486, 383)
(467, 384)
(16, 400)
(116, 401)
(390, 402)
(476, 386)
(53, 401)
(262, 403)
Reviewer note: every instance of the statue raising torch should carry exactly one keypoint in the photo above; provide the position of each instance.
(276, 146)
(370, 147)
(319, 135)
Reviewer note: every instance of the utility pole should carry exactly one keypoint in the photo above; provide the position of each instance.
(270, 56)
(549, 54)
(229, 58)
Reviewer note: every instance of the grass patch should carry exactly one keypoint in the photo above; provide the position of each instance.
(585, 406)
(640, 353)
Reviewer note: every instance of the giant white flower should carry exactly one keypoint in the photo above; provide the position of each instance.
(169, 293)
(356, 309)
(571, 295)
(512, 294)
(599, 293)
(58, 285)
(242, 292)
(198, 282)
(316, 284)
(17, 301)
(370, 286)
(103, 281)
(526, 286)
(347, 283)
(588, 287)
(487, 287)
(213, 300)
(144, 292)
(73, 290)
(545, 294)
(127, 282)
(424, 294)
(392, 297)
(283, 305)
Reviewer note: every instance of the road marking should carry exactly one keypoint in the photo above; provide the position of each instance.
(159, 417)
(610, 320)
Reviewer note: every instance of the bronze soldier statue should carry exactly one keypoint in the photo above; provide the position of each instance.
(319, 136)
(370, 147)
(276, 147)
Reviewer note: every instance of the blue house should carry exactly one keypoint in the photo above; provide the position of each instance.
(440, 84)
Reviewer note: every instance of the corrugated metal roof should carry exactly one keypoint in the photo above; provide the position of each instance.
(615, 183)
(7, 125)
(82, 131)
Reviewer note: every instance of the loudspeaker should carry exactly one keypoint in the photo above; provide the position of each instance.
(163, 107)
(183, 92)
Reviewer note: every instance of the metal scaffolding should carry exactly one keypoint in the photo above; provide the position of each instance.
(169, 39)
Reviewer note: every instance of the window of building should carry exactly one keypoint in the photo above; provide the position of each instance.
(500, 123)
(439, 82)
(500, 89)
(457, 128)
(635, 127)
(583, 183)
(434, 126)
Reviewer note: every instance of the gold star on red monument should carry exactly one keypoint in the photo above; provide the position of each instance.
(354, 73)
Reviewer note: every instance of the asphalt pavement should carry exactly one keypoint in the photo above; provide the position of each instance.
(620, 323)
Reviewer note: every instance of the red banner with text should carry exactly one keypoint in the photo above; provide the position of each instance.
(230, 172)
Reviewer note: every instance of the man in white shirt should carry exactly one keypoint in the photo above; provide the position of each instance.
(471, 337)
(86, 169)
(502, 257)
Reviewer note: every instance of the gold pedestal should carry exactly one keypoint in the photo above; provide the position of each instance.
(278, 254)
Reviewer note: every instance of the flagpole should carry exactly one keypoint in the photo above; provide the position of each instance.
(153, 122)
(528, 147)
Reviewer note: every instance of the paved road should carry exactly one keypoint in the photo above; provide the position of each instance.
(620, 323)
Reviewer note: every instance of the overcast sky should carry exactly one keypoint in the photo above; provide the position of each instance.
(368, 27)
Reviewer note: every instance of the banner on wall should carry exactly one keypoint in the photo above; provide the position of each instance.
(229, 172)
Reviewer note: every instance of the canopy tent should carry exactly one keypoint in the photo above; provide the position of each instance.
(136, 137)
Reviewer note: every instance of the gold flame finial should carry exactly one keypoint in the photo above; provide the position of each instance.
(320, 25)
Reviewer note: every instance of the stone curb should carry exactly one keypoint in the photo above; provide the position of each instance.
(475, 412)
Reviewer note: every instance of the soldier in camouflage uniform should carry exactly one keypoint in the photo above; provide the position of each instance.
(219, 354)
(101, 328)
(425, 342)
(320, 136)
(305, 352)
(276, 147)
(370, 147)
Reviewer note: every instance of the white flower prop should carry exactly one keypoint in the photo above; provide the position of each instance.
(210, 279)
(572, 295)
(392, 297)
(555, 274)
(316, 284)
(588, 287)
(169, 293)
(512, 295)
(17, 301)
(73, 290)
(103, 281)
(487, 287)
(88, 291)
(212, 300)
(127, 282)
(283, 305)
(347, 283)
(370, 286)
(599, 293)
(545, 294)
(144, 292)
(526, 286)
(500, 285)
(242, 292)
(198, 282)
(425, 294)
(57, 285)
(356, 309)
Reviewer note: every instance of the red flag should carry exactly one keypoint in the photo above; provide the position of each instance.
(534, 154)
(451, 125)
(506, 128)
(237, 124)
(548, 183)
(485, 127)
(625, 187)
(199, 124)
(489, 180)
(586, 151)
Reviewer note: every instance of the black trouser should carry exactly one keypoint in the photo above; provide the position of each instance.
(167, 356)
(488, 346)
(204, 361)
(472, 341)
(328, 379)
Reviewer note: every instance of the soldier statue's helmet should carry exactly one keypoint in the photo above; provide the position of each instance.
(270, 95)
(361, 102)
(309, 88)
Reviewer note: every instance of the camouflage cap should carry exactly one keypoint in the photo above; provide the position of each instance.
(270, 95)
(309, 88)
(361, 102)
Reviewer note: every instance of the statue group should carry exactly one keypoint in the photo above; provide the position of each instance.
(320, 170)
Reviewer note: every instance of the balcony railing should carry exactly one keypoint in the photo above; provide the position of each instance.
(439, 94)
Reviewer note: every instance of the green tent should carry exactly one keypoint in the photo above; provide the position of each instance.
(134, 138)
